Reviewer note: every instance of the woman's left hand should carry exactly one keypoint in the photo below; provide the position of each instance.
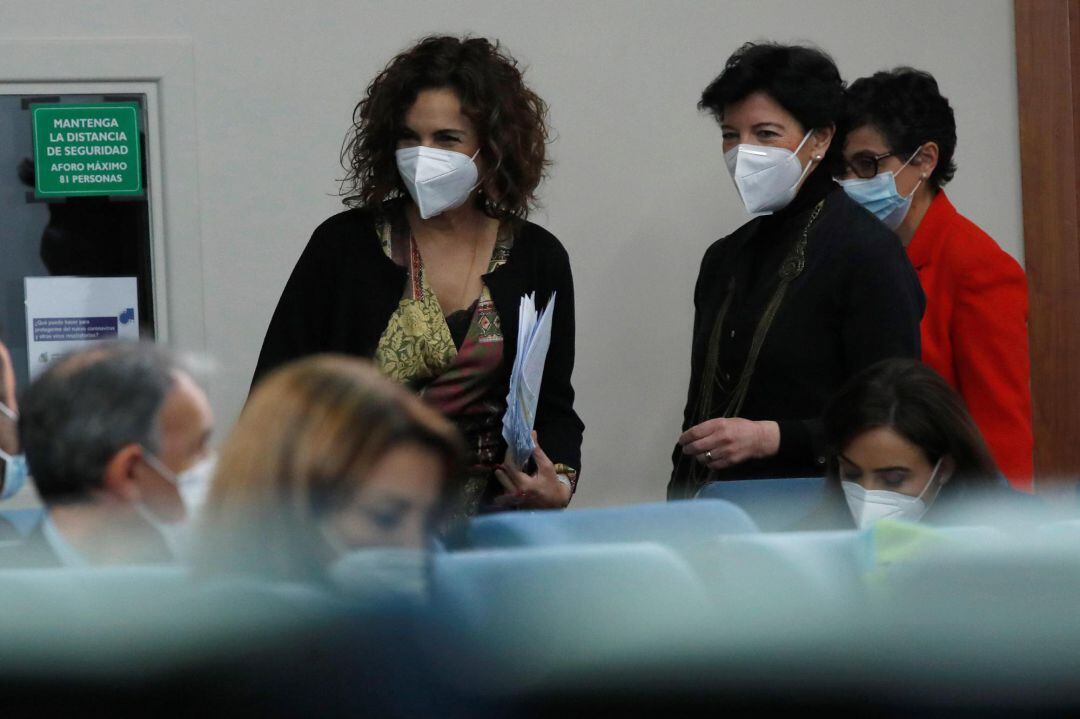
(541, 490)
(722, 442)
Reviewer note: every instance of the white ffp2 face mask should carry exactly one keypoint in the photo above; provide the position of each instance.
(192, 484)
(767, 178)
(870, 506)
(437, 180)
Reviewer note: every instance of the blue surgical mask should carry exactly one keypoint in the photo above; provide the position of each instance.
(879, 196)
(15, 469)
(15, 474)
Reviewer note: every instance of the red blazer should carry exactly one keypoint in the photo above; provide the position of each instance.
(974, 331)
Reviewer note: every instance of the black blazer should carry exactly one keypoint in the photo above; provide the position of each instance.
(344, 289)
(857, 301)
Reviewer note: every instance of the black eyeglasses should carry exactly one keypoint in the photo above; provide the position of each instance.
(864, 165)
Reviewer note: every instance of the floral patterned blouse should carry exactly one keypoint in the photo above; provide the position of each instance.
(459, 378)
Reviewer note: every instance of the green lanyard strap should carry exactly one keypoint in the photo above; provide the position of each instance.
(792, 266)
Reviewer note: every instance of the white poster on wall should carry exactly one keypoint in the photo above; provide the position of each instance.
(68, 314)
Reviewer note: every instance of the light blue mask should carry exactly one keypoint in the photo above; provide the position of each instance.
(15, 470)
(879, 196)
(15, 474)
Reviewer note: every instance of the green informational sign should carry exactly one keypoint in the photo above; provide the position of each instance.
(89, 149)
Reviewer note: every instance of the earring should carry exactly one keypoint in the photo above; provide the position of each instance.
(817, 158)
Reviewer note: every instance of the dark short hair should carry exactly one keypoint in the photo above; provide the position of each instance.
(509, 118)
(81, 411)
(912, 399)
(907, 108)
(803, 80)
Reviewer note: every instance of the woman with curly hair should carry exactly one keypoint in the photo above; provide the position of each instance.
(425, 273)
(898, 156)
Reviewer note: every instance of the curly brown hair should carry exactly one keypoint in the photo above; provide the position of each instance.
(510, 120)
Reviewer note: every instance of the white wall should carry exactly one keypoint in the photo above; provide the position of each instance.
(638, 190)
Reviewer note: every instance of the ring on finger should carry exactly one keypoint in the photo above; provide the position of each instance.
(708, 455)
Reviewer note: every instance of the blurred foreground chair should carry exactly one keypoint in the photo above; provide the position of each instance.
(138, 638)
(20, 522)
(662, 522)
(775, 505)
(511, 616)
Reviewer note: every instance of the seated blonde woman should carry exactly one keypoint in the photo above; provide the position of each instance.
(328, 457)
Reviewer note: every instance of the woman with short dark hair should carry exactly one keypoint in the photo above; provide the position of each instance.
(426, 273)
(797, 300)
(898, 156)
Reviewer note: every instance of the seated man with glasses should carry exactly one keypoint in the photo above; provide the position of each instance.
(112, 436)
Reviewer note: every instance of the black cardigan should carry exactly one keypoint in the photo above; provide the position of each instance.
(857, 301)
(344, 289)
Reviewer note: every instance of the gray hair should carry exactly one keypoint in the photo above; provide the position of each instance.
(80, 412)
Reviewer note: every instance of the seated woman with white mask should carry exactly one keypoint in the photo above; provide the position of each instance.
(426, 272)
(903, 446)
(328, 457)
(799, 299)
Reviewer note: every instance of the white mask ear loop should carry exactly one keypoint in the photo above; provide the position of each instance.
(930, 482)
(473, 161)
(913, 156)
(9, 412)
(158, 466)
(806, 170)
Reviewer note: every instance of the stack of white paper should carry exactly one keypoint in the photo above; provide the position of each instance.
(534, 337)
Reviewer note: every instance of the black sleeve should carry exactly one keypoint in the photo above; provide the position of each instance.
(299, 324)
(700, 322)
(679, 467)
(800, 439)
(883, 303)
(558, 427)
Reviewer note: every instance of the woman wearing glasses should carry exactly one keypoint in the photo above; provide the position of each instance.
(796, 301)
(898, 155)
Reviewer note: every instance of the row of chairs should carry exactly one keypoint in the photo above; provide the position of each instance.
(767, 505)
(545, 599)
